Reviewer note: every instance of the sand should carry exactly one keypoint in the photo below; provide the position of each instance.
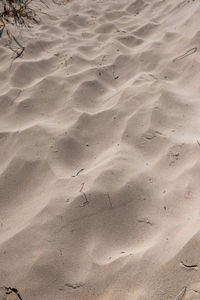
(100, 153)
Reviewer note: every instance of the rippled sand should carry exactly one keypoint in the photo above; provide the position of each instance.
(100, 153)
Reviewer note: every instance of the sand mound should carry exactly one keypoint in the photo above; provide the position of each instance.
(100, 153)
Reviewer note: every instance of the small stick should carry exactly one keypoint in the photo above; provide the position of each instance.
(19, 53)
(86, 202)
(145, 221)
(189, 52)
(11, 290)
(181, 294)
(78, 172)
(82, 185)
(73, 286)
(111, 206)
(192, 266)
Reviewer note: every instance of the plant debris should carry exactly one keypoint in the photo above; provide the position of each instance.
(15, 13)
(73, 286)
(189, 266)
(189, 52)
(181, 294)
(81, 170)
(10, 290)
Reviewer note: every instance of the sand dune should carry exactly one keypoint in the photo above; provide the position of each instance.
(100, 155)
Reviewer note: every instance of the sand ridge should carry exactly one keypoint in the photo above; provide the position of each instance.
(99, 144)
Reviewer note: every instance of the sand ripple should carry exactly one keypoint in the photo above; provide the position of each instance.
(99, 144)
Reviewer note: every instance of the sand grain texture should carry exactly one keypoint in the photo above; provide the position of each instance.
(100, 153)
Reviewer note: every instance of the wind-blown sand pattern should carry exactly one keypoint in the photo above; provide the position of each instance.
(100, 153)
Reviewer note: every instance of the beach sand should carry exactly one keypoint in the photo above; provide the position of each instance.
(100, 153)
